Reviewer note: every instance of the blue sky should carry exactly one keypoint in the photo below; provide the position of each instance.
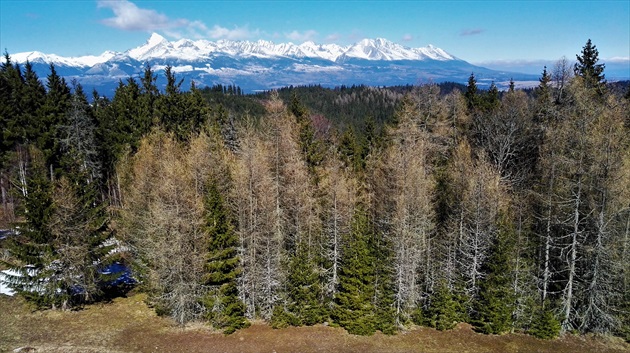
(480, 32)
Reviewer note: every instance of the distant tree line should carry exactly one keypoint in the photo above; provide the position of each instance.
(366, 208)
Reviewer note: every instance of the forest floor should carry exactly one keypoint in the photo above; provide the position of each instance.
(128, 325)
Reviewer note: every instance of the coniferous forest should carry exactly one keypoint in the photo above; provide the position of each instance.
(362, 207)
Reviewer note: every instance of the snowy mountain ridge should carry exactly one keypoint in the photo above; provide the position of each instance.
(263, 65)
(158, 47)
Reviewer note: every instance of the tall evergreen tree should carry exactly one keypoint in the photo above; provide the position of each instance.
(354, 308)
(78, 137)
(312, 149)
(61, 247)
(472, 97)
(543, 97)
(543, 91)
(495, 305)
(491, 99)
(32, 250)
(147, 101)
(11, 93)
(225, 308)
(444, 310)
(303, 306)
(350, 150)
(33, 96)
(54, 113)
(588, 68)
(171, 108)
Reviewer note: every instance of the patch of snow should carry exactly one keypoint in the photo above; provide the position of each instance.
(316, 68)
(4, 289)
(183, 68)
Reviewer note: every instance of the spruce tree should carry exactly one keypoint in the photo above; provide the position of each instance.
(350, 150)
(302, 305)
(54, 113)
(312, 148)
(62, 246)
(495, 304)
(11, 93)
(80, 232)
(472, 97)
(545, 324)
(354, 309)
(543, 91)
(196, 108)
(31, 252)
(491, 99)
(304, 289)
(147, 101)
(78, 137)
(225, 308)
(588, 68)
(33, 97)
(443, 310)
(171, 110)
(62, 242)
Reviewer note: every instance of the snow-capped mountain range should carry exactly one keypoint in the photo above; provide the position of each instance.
(157, 47)
(263, 64)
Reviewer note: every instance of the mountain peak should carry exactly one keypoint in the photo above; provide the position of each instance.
(155, 39)
(157, 47)
(262, 64)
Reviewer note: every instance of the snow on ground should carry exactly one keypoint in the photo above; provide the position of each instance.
(3, 287)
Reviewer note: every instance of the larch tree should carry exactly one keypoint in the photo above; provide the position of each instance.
(260, 243)
(561, 75)
(606, 202)
(404, 187)
(296, 218)
(482, 199)
(339, 197)
(162, 223)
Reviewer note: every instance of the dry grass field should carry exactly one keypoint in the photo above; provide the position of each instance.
(128, 325)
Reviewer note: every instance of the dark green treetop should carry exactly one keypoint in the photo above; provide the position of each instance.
(588, 68)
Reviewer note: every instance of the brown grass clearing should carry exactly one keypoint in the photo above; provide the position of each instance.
(128, 325)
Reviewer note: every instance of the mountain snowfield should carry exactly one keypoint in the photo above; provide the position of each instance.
(263, 65)
(157, 47)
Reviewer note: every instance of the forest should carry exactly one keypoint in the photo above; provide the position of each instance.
(368, 208)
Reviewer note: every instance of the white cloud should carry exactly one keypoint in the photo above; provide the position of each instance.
(332, 38)
(129, 17)
(301, 37)
(407, 37)
(218, 32)
(618, 59)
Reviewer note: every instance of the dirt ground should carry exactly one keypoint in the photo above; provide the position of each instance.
(128, 325)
